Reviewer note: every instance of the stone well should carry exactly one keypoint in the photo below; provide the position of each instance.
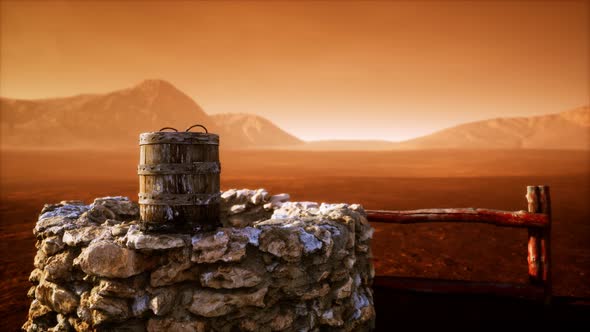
(274, 265)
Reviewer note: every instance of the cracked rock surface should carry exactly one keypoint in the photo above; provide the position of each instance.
(274, 265)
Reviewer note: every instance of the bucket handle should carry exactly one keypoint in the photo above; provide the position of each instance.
(197, 125)
(168, 128)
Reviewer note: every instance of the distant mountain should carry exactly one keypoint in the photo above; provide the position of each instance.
(115, 119)
(569, 130)
(566, 130)
(248, 130)
(344, 145)
(99, 120)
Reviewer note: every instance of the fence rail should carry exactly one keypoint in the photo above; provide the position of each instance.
(494, 217)
(537, 220)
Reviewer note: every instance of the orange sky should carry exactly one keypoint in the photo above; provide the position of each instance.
(321, 70)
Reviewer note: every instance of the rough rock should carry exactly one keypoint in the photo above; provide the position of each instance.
(140, 305)
(136, 239)
(230, 277)
(238, 208)
(280, 198)
(83, 236)
(122, 207)
(107, 309)
(274, 265)
(259, 197)
(59, 267)
(64, 209)
(40, 259)
(53, 226)
(157, 325)
(345, 290)
(107, 287)
(56, 297)
(282, 321)
(52, 245)
(282, 242)
(223, 245)
(63, 325)
(107, 259)
(38, 310)
(212, 304)
(177, 269)
(163, 300)
(35, 276)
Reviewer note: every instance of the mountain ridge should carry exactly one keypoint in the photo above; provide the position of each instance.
(564, 130)
(115, 119)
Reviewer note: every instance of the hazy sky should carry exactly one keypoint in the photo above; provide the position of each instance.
(320, 70)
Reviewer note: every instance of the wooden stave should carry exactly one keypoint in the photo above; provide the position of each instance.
(186, 217)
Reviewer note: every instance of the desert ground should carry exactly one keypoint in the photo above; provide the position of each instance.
(378, 180)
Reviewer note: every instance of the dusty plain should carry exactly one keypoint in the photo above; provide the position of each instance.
(379, 180)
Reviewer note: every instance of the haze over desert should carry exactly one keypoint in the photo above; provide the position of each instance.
(393, 105)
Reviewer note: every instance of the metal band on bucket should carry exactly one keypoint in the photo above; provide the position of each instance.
(178, 199)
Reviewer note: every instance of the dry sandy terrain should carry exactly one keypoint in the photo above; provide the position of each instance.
(378, 180)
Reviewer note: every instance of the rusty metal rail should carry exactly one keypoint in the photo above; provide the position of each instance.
(537, 220)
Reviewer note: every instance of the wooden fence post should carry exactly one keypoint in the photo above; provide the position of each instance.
(545, 204)
(539, 240)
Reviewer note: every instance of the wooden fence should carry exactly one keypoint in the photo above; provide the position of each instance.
(537, 220)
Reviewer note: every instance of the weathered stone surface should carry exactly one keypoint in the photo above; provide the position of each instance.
(119, 230)
(163, 300)
(282, 321)
(59, 267)
(259, 197)
(107, 259)
(209, 249)
(53, 226)
(140, 305)
(282, 242)
(177, 269)
(38, 310)
(280, 198)
(64, 209)
(107, 309)
(40, 317)
(52, 245)
(307, 268)
(122, 207)
(116, 288)
(238, 208)
(79, 325)
(98, 214)
(136, 239)
(332, 318)
(157, 325)
(230, 277)
(212, 304)
(309, 241)
(83, 310)
(31, 292)
(224, 245)
(35, 276)
(83, 236)
(63, 325)
(40, 259)
(228, 194)
(345, 290)
(314, 292)
(56, 297)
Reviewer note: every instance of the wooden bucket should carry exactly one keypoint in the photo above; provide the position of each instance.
(179, 180)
